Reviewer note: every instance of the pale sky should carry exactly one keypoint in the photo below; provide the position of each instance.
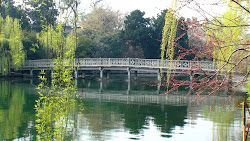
(153, 7)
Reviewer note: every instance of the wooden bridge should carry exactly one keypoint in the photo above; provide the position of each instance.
(126, 64)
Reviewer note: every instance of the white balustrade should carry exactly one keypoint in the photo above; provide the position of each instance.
(128, 62)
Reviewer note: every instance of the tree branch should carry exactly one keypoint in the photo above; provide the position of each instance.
(241, 6)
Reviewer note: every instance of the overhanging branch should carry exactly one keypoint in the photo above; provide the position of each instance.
(241, 6)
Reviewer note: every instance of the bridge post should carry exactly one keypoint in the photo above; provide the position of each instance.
(100, 88)
(31, 73)
(158, 74)
(158, 89)
(191, 76)
(135, 75)
(83, 74)
(108, 74)
(128, 90)
(164, 75)
(129, 73)
(101, 72)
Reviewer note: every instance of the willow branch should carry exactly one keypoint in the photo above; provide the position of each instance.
(241, 6)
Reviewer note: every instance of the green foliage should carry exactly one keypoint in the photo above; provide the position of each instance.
(16, 12)
(225, 35)
(182, 43)
(168, 37)
(138, 35)
(57, 103)
(32, 47)
(54, 41)
(42, 13)
(84, 47)
(102, 26)
(101, 20)
(12, 54)
(54, 108)
(108, 45)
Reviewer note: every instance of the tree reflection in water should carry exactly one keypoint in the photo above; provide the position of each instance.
(12, 101)
(226, 121)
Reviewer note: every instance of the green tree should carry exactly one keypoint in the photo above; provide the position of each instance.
(103, 26)
(84, 47)
(16, 12)
(182, 48)
(32, 47)
(12, 55)
(101, 20)
(42, 13)
(138, 34)
(108, 45)
(57, 102)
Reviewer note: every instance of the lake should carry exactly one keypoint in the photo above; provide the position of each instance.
(117, 110)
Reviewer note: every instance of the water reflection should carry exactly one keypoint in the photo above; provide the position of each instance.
(120, 110)
(15, 110)
(225, 120)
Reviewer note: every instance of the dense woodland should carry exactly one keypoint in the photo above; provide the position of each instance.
(102, 33)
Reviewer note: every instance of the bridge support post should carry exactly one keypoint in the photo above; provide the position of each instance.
(164, 75)
(191, 76)
(100, 88)
(31, 73)
(135, 75)
(108, 74)
(129, 73)
(101, 72)
(158, 89)
(158, 75)
(83, 74)
(128, 90)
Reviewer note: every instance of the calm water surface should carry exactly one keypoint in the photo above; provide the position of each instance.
(117, 110)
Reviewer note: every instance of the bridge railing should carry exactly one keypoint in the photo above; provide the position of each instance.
(128, 62)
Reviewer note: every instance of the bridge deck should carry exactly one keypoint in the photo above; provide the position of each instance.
(128, 63)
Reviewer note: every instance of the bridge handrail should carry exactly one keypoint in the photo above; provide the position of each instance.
(128, 62)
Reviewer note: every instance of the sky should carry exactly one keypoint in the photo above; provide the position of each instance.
(153, 7)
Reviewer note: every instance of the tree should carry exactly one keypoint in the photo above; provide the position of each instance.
(138, 35)
(12, 55)
(103, 26)
(32, 47)
(8, 9)
(227, 45)
(84, 47)
(41, 13)
(108, 45)
(102, 20)
(182, 40)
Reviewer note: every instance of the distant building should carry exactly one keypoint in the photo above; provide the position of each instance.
(68, 29)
